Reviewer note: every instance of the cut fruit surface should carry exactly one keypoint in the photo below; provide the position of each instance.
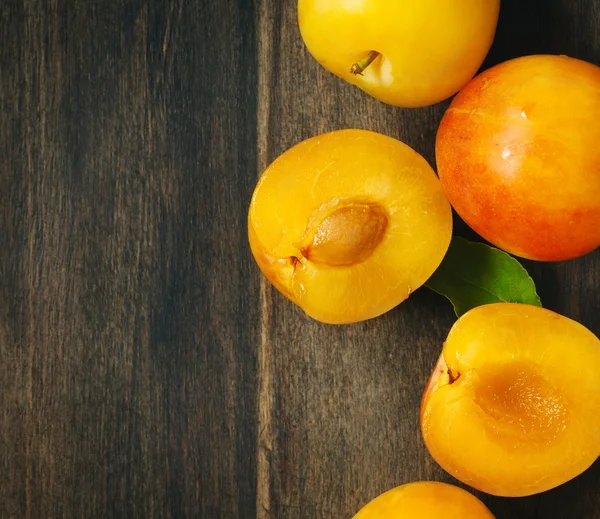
(513, 405)
(349, 223)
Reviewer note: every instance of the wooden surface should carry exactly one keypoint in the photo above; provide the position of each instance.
(146, 368)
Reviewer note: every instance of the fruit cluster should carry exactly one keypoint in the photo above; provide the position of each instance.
(348, 224)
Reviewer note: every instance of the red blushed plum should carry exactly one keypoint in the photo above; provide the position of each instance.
(518, 154)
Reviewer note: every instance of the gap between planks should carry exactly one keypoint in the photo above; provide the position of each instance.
(265, 390)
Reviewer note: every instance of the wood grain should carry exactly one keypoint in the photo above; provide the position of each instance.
(146, 368)
(129, 316)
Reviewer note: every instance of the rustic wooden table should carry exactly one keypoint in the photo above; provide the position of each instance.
(147, 370)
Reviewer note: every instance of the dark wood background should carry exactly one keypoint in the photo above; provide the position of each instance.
(146, 368)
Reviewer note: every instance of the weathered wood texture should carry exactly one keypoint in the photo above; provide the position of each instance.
(146, 368)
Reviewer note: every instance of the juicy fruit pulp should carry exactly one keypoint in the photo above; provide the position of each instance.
(513, 406)
(427, 49)
(518, 156)
(348, 224)
(425, 500)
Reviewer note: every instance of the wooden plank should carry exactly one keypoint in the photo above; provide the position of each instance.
(339, 405)
(128, 318)
(146, 369)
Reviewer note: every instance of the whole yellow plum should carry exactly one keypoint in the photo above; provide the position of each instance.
(425, 500)
(410, 53)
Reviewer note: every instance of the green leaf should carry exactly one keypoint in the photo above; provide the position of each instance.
(474, 274)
